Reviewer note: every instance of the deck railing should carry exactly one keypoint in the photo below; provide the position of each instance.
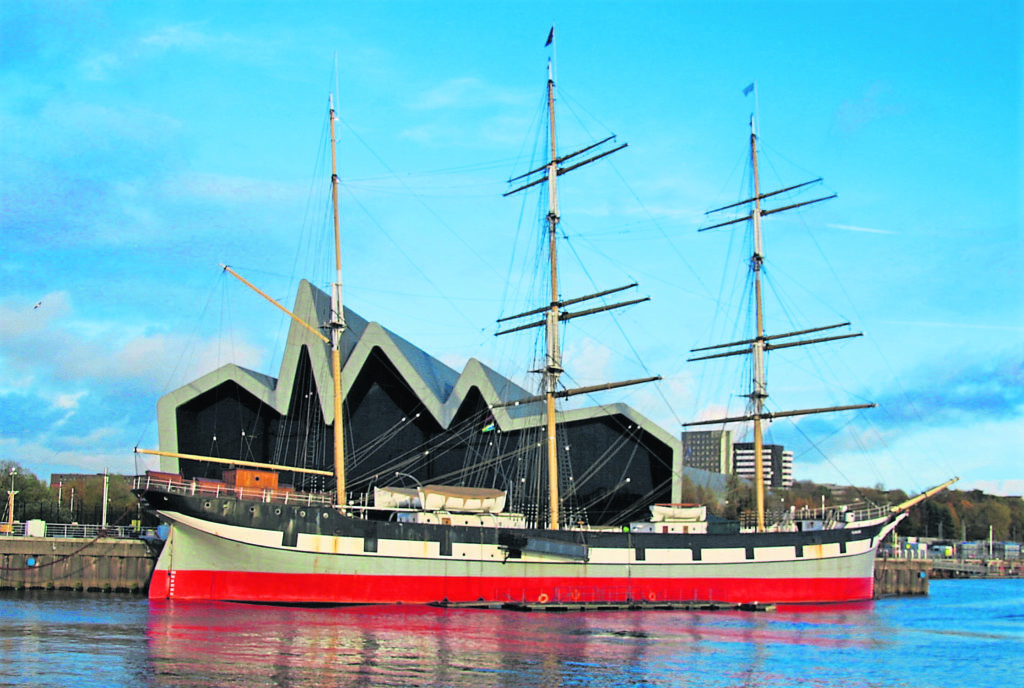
(177, 485)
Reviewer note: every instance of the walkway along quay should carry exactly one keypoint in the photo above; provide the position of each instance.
(98, 563)
(977, 568)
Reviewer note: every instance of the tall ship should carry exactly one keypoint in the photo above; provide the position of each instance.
(288, 527)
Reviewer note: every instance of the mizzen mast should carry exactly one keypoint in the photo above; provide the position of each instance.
(554, 312)
(761, 343)
(336, 325)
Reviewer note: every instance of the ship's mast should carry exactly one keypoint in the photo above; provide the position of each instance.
(554, 312)
(760, 389)
(337, 326)
(553, 364)
(761, 343)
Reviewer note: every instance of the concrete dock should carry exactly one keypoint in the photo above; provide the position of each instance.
(900, 577)
(96, 564)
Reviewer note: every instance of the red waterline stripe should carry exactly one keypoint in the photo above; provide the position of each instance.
(295, 588)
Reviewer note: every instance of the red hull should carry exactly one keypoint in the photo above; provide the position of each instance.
(296, 588)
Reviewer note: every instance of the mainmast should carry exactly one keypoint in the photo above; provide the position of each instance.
(554, 312)
(553, 362)
(762, 343)
(337, 326)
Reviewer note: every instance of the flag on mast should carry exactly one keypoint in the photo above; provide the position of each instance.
(551, 37)
(746, 91)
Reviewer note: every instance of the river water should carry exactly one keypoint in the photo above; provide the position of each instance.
(966, 633)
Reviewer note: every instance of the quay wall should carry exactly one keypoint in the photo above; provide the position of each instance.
(97, 564)
(901, 577)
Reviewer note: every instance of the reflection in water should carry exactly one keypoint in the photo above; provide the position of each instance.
(235, 644)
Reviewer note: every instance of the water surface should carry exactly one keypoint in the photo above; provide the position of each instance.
(967, 633)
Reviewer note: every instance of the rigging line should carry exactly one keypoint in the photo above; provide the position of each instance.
(493, 461)
(602, 461)
(637, 506)
(661, 230)
(411, 262)
(441, 172)
(604, 495)
(907, 398)
(569, 102)
(425, 450)
(188, 350)
(419, 198)
(817, 448)
(614, 316)
(767, 152)
(375, 444)
(539, 145)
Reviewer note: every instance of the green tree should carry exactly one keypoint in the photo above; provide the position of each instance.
(32, 498)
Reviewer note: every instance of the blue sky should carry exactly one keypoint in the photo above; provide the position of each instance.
(143, 144)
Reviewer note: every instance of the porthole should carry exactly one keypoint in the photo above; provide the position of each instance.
(207, 505)
(277, 511)
(302, 513)
(252, 510)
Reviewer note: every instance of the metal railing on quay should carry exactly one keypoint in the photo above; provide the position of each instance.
(75, 530)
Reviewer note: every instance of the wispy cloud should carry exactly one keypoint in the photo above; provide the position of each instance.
(957, 325)
(854, 228)
(230, 189)
(176, 36)
(945, 396)
(875, 103)
(464, 92)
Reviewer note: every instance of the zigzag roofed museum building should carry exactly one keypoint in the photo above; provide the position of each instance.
(407, 414)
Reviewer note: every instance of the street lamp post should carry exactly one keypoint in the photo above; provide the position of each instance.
(10, 503)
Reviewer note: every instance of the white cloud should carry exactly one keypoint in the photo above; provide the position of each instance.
(44, 460)
(99, 352)
(68, 401)
(183, 37)
(984, 454)
(590, 361)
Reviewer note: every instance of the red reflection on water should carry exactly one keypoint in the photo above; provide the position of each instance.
(239, 644)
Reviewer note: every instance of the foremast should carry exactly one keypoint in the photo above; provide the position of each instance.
(554, 312)
(761, 343)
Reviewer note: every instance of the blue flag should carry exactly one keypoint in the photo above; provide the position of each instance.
(551, 36)
(748, 89)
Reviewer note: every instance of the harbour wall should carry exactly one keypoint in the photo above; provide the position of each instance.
(97, 564)
(900, 577)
